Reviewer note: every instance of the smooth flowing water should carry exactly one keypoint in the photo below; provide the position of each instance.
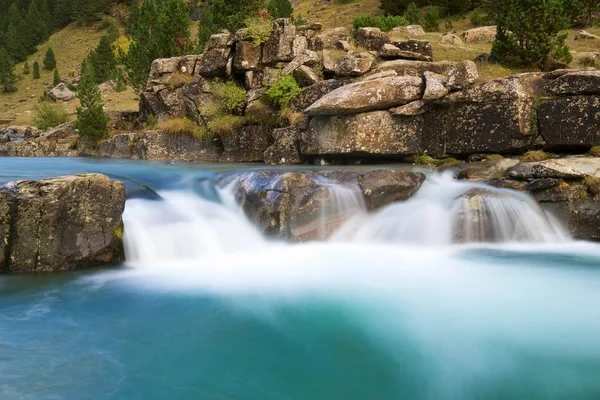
(391, 307)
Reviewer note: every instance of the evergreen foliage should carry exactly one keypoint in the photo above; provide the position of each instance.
(206, 29)
(528, 32)
(412, 14)
(103, 60)
(49, 60)
(8, 78)
(56, 77)
(49, 115)
(26, 68)
(280, 8)
(283, 91)
(92, 122)
(431, 20)
(385, 23)
(162, 29)
(36, 70)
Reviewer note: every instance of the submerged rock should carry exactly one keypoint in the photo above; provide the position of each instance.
(61, 223)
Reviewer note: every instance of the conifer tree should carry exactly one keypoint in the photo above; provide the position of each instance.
(206, 28)
(8, 79)
(36, 23)
(56, 77)
(412, 14)
(528, 32)
(103, 60)
(14, 44)
(92, 122)
(174, 28)
(231, 14)
(26, 69)
(431, 20)
(36, 70)
(280, 8)
(49, 60)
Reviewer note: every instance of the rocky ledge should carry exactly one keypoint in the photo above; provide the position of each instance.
(61, 223)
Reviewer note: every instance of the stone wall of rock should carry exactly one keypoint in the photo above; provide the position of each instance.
(61, 223)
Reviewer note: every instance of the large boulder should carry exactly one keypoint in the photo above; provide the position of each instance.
(301, 205)
(576, 83)
(410, 31)
(372, 39)
(61, 223)
(61, 93)
(377, 133)
(354, 64)
(376, 94)
(328, 40)
(584, 219)
(216, 59)
(305, 76)
(584, 35)
(159, 146)
(494, 117)
(460, 74)
(247, 145)
(247, 54)
(560, 169)
(313, 93)
(485, 34)
(422, 47)
(162, 69)
(452, 39)
(286, 146)
(283, 45)
(570, 122)
(391, 52)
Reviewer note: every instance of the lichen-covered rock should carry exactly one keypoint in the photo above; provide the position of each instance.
(42, 146)
(584, 219)
(484, 171)
(247, 145)
(460, 74)
(247, 55)
(217, 56)
(560, 169)
(576, 83)
(61, 223)
(61, 93)
(283, 45)
(422, 47)
(373, 133)
(159, 146)
(313, 93)
(307, 57)
(305, 76)
(355, 64)
(570, 122)
(391, 52)
(485, 34)
(416, 107)
(376, 94)
(410, 30)
(162, 69)
(585, 35)
(119, 146)
(286, 147)
(452, 39)
(371, 38)
(327, 40)
(435, 86)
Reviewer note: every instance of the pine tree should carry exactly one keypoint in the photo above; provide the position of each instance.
(431, 20)
(412, 14)
(26, 69)
(231, 14)
(8, 80)
(528, 32)
(36, 70)
(103, 60)
(174, 28)
(14, 44)
(280, 8)
(92, 122)
(49, 60)
(206, 28)
(36, 23)
(56, 78)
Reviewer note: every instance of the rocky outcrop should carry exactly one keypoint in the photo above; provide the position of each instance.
(576, 83)
(409, 30)
(570, 122)
(452, 39)
(61, 223)
(460, 74)
(61, 93)
(216, 59)
(291, 204)
(485, 34)
(585, 35)
(372, 39)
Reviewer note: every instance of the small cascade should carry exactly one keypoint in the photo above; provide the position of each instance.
(446, 211)
(342, 203)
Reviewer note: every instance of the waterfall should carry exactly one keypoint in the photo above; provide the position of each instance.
(446, 211)
(187, 225)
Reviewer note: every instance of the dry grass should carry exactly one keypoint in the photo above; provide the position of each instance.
(332, 13)
(493, 157)
(428, 161)
(595, 151)
(592, 184)
(178, 79)
(71, 45)
(226, 124)
(536, 155)
(183, 126)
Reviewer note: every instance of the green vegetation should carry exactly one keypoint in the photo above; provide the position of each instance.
(103, 60)
(536, 155)
(179, 79)
(280, 8)
(92, 123)
(493, 157)
(56, 78)
(26, 69)
(412, 14)
(8, 78)
(231, 97)
(49, 60)
(49, 115)
(225, 124)
(385, 23)
(592, 184)
(182, 126)
(431, 20)
(428, 161)
(36, 70)
(259, 28)
(528, 32)
(595, 151)
(283, 91)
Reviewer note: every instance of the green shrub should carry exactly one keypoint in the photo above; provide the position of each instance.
(385, 23)
(49, 115)
(231, 97)
(183, 126)
(493, 157)
(535, 155)
(49, 60)
(431, 20)
(592, 184)
(412, 15)
(428, 161)
(595, 151)
(258, 29)
(283, 91)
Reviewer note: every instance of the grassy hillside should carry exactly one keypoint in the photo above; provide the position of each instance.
(333, 13)
(71, 45)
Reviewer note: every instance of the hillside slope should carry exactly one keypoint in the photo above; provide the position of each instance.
(333, 13)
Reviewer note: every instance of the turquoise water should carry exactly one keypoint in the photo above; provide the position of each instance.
(312, 321)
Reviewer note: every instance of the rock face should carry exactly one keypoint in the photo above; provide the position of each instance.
(570, 122)
(576, 83)
(371, 39)
(485, 34)
(410, 30)
(584, 35)
(61, 223)
(289, 204)
(216, 58)
(460, 75)
(376, 94)
(61, 93)
(452, 39)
